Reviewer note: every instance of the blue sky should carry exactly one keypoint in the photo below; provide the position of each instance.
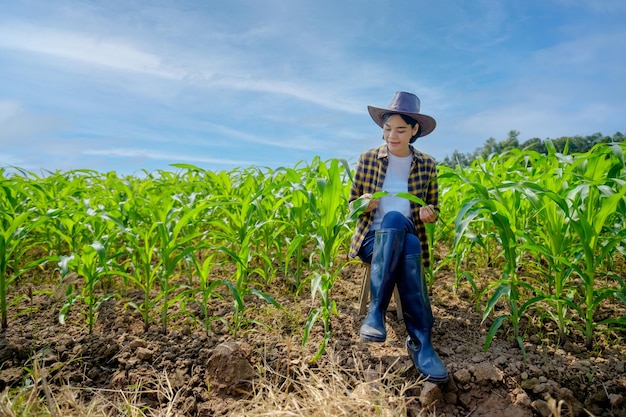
(137, 85)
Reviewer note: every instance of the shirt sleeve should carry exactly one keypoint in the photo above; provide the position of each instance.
(356, 190)
(432, 194)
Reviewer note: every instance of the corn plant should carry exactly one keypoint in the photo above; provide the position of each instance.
(332, 233)
(242, 287)
(175, 242)
(270, 224)
(550, 242)
(145, 267)
(14, 243)
(297, 202)
(505, 208)
(91, 264)
(452, 191)
(280, 236)
(51, 197)
(94, 262)
(595, 201)
(236, 224)
(549, 238)
(206, 288)
(566, 212)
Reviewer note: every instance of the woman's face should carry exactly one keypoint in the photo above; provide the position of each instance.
(398, 133)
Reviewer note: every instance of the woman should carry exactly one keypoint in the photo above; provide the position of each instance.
(390, 234)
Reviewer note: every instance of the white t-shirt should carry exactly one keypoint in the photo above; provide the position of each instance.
(396, 181)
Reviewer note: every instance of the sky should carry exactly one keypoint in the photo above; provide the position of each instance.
(135, 86)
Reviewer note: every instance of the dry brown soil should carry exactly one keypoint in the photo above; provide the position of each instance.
(205, 371)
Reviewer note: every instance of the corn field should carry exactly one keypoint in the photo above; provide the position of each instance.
(552, 225)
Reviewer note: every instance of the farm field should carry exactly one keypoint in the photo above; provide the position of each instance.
(199, 293)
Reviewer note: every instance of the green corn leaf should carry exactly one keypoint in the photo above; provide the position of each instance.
(411, 197)
(494, 329)
(311, 319)
(268, 298)
(503, 290)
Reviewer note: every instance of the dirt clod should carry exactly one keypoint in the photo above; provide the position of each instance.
(229, 366)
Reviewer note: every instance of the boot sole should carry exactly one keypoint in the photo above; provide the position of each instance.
(434, 380)
(371, 338)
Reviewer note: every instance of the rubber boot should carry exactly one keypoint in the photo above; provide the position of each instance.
(418, 318)
(385, 258)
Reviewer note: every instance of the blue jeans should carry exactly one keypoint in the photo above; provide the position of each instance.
(392, 220)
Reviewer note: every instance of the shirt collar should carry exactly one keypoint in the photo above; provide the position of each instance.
(383, 153)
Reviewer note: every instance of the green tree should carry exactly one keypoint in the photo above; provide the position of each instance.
(573, 144)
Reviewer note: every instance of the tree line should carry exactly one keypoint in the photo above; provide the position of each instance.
(574, 144)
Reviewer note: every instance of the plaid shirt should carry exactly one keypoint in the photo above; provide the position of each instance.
(369, 177)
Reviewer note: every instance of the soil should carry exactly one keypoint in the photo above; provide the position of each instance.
(208, 371)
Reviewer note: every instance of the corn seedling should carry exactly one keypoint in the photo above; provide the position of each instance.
(15, 227)
(328, 209)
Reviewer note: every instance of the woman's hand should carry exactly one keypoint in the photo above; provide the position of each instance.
(428, 214)
(372, 203)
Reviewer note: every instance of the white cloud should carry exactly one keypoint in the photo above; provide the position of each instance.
(585, 54)
(244, 136)
(17, 123)
(122, 55)
(162, 156)
(88, 49)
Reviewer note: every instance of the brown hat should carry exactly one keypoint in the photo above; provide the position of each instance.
(404, 103)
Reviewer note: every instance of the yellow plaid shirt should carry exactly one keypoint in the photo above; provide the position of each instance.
(369, 177)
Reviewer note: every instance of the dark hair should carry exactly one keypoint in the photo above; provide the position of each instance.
(408, 120)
